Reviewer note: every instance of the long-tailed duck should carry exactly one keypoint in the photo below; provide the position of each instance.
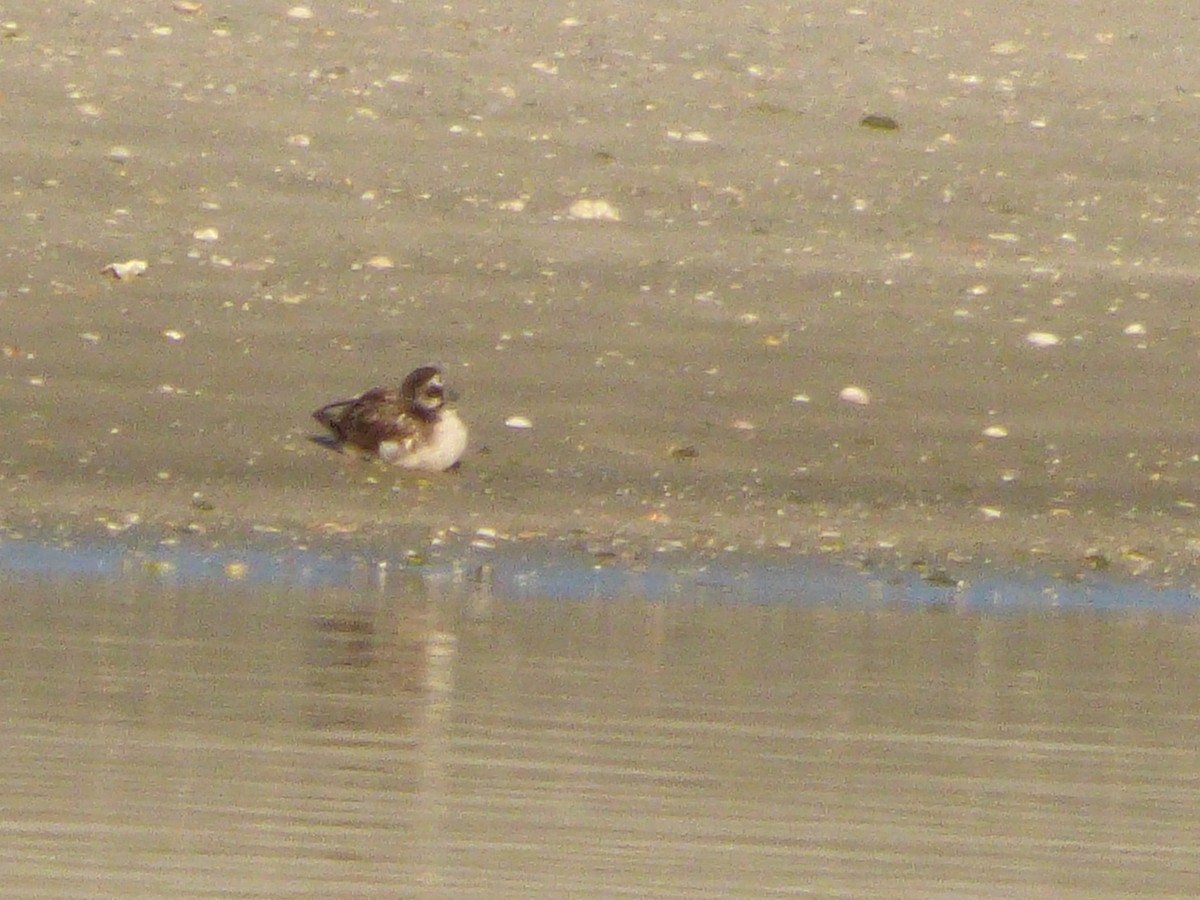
(411, 427)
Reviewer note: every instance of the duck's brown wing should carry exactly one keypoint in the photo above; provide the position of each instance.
(367, 419)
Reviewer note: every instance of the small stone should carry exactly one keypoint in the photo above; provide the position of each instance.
(519, 423)
(879, 123)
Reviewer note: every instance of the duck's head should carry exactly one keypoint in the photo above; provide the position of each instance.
(425, 391)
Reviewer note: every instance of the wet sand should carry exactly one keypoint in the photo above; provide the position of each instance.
(770, 252)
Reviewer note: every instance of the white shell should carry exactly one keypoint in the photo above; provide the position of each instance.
(1043, 339)
(855, 395)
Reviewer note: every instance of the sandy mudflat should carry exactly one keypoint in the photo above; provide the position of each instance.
(325, 202)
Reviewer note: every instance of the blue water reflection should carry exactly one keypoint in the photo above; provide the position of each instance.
(517, 573)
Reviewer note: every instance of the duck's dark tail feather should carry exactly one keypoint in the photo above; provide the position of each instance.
(330, 415)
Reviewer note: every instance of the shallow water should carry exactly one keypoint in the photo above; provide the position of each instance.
(435, 737)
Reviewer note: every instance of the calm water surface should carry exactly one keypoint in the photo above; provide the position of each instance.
(217, 740)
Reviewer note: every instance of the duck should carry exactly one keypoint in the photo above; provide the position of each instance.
(412, 427)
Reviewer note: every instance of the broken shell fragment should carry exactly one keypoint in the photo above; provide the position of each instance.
(1042, 339)
(128, 269)
(594, 210)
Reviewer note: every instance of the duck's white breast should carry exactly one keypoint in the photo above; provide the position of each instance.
(439, 452)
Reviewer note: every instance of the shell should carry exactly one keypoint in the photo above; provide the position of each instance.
(855, 395)
(1042, 339)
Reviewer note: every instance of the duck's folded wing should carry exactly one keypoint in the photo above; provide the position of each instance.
(365, 420)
